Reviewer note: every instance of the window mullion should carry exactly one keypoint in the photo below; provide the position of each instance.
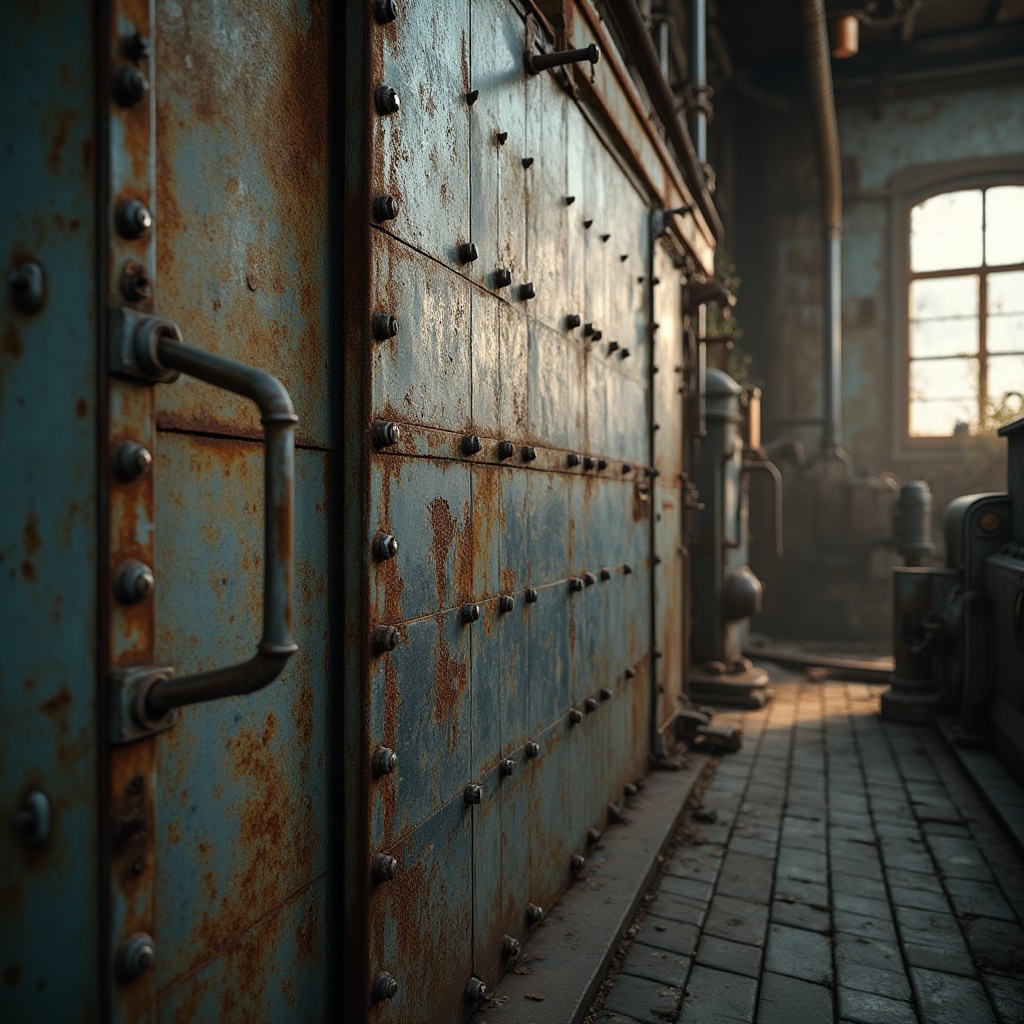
(982, 347)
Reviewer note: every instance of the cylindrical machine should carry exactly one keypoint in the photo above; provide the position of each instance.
(912, 522)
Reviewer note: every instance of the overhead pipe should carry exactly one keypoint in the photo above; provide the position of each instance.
(634, 32)
(697, 24)
(826, 137)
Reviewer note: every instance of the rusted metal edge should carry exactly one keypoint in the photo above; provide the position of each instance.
(590, 96)
(570, 953)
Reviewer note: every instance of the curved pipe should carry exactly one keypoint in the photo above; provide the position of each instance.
(826, 138)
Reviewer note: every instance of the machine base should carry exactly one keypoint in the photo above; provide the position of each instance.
(746, 688)
(909, 701)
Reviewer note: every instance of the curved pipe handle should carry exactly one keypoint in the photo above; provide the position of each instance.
(766, 465)
(159, 349)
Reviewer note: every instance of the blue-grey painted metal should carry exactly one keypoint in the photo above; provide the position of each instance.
(48, 519)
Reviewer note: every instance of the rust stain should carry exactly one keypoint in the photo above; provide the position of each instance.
(81, 408)
(64, 122)
(28, 571)
(11, 344)
(57, 704)
(442, 524)
(450, 680)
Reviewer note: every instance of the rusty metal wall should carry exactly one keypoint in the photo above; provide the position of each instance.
(523, 549)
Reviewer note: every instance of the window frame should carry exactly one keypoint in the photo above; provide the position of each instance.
(909, 188)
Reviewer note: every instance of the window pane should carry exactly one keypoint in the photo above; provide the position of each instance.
(1006, 292)
(945, 378)
(1005, 378)
(944, 297)
(1006, 333)
(939, 418)
(1004, 225)
(943, 338)
(945, 231)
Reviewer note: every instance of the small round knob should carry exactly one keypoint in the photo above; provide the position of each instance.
(132, 460)
(133, 218)
(136, 956)
(134, 582)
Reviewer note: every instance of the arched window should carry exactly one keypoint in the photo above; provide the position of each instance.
(965, 309)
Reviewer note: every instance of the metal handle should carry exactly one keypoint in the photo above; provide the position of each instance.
(767, 466)
(160, 354)
(537, 62)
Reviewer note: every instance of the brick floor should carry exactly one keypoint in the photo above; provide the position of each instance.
(851, 873)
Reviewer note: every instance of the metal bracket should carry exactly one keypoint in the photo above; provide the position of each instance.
(132, 338)
(129, 720)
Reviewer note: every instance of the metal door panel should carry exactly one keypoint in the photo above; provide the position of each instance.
(488, 870)
(598, 214)
(421, 922)
(668, 349)
(497, 175)
(420, 708)
(488, 693)
(277, 972)
(668, 575)
(48, 525)
(422, 375)
(599, 437)
(633, 403)
(515, 680)
(555, 376)
(488, 516)
(518, 840)
(547, 213)
(499, 368)
(578, 211)
(242, 798)
(241, 215)
(548, 656)
(420, 155)
(516, 568)
(426, 506)
(548, 527)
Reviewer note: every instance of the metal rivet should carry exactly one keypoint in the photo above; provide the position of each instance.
(614, 813)
(136, 956)
(132, 460)
(588, 224)
(534, 914)
(527, 291)
(532, 750)
(626, 468)
(655, 280)
(384, 547)
(573, 459)
(470, 612)
(384, 639)
(133, 218)
(575, 584)
(613, 346)
(502, 138)
(589, 579)
(575, 716)
(656, 653)
(476, 990)
(385, 987)
(505, 450)
(597, 336)
(506, 603)
(384, 762)
(510, 946)
(134, 582)
(624, 354)
(384, 868)
(32, 819)
(472, 795)
(572, 321)
(136, 46)
(130, 86)
(386, 100)
(588, 329)
(578, 863)
(468, 253)
(531, 595)
(656, 559)
(627, 570)
(385, 208)
(384, 326)
(27, 285)
(385, 11)
(590, 705)
(605, 574)
(470, 444)
(569, 200)
(589, 462)
(629, 789)
(655, 368)
(623, 256)
(385, 433)
(630, 673)
(640, 279)
(605, 693)
(502, 278)
(527, 161)
(602, 464)
(604, 238)
(593, 836)
(136, 284)
(472, 96)
(507, 766)
(529, 453)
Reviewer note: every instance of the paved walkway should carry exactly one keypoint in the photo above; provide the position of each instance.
(850, 873)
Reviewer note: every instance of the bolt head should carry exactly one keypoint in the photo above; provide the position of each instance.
(527, 291)
(529, 453)
(476, 990)
(133, 218)
(605, 693)
(629, 789)
(602, 464)
(531, 595)
(385, 208)
(532, 749)
(627, 570)
(385, 639)
(132, 460)
(471, 444)
(134, 582)
(573, 459)
(384, 868)
(386, 433)
(385, 987)
(387, 100)
(589, 579)
(470, 612)
(630, 673)
(624, 354)
(136, 285)
(534, 914)
(572, 321)
(384, 326)
(593, 836)
(136, 956)
(468, 253)
(510, 946)
(575, 584)
(605, 574)
(472, 795)
(505, 449)
(472, 96)
(614, 813)
(385, 761)
(502, 278)
(578, 863)
(384, 547)
(506, 603)
(575, 716)
(590, 705)
(507, 766)
(130, 86)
